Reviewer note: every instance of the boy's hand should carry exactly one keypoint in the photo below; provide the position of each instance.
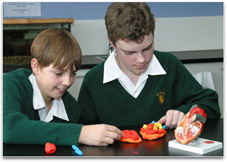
(172, 118)
(99, 135)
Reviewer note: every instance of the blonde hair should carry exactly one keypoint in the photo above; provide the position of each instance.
(58, 47)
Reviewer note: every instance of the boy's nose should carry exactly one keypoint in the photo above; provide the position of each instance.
(67, 81)
(140, 58)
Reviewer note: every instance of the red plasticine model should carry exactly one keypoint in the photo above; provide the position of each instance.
(130, 136)
(152, 131)
(191, 126)
(50, 148)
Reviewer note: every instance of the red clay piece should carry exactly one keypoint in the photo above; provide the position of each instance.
(130, 136)
(50, 148)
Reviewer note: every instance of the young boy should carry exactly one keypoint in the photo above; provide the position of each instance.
(136, 84)
(36, 105)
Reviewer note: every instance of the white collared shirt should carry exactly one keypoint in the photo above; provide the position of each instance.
(112, 72)
(57, 108)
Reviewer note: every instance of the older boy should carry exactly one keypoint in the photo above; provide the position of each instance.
(136, 84)
(36, 105)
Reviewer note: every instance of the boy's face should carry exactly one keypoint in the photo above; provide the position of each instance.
(133, 58)
(54, 82)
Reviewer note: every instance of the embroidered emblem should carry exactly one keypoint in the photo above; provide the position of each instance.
(161, 97)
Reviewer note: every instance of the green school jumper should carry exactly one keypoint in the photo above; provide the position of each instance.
(110, 103)
(21, 123)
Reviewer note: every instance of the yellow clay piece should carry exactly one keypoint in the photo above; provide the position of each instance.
(145, 126)
(157, 126)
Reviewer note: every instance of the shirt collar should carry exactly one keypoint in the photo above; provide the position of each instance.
(155, 68)
(38, 101)
(57, 109)
(112, 70)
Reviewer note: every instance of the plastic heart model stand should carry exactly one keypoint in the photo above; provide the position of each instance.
(191, 126)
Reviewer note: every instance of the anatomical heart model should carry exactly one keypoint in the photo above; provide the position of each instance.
(191, 126)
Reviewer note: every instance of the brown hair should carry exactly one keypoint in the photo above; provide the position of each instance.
(129, 21)
(58, 47)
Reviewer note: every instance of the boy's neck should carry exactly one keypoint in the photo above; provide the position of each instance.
(133, 77)
(48, 103)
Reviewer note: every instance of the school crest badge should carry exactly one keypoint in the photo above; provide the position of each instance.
(161, 97)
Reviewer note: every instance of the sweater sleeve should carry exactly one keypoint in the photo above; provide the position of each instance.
(21, 128)
(187, 92)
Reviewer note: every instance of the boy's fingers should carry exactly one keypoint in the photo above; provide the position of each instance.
(181, 116)
(114, 133)
(162, 120)
(114, 129)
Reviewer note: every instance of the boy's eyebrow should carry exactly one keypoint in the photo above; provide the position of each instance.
(127, 51)
(142, 50)
(65, 70)
(148, 46)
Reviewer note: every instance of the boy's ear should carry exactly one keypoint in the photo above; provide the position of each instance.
(111, 42)
(35, 66)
